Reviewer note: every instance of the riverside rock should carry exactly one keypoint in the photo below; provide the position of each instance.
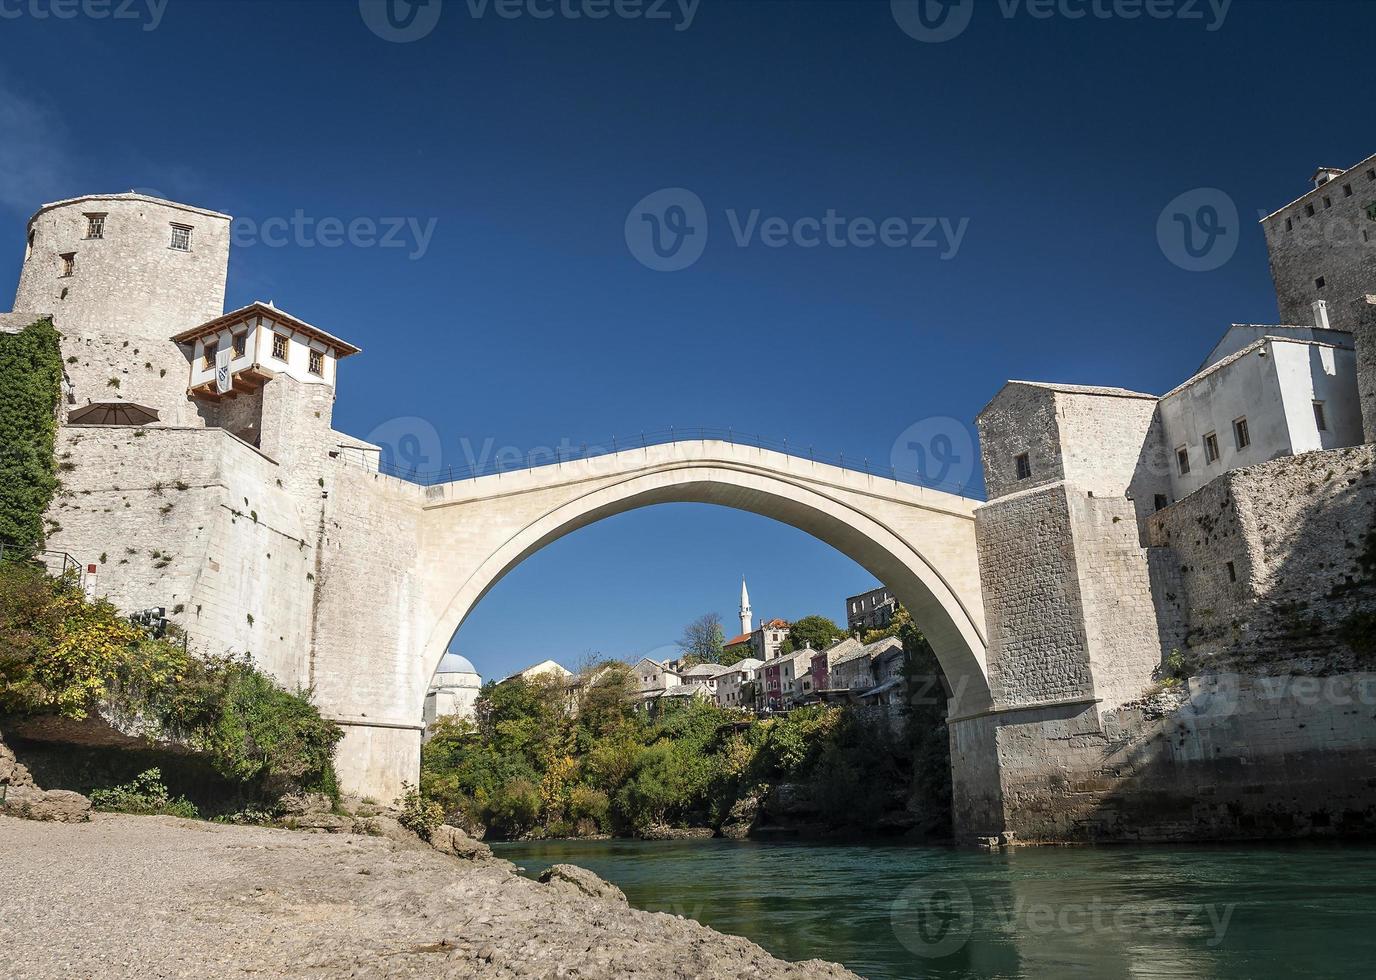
(583, 881)
(55, 805)
(222, 900)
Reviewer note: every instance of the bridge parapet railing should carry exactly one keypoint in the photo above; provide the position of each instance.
(551, 456)
(58, 564)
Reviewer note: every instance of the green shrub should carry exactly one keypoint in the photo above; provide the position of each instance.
(30, 389)
(420, 816)
(144, 794)
(586, 803)
(514, 810)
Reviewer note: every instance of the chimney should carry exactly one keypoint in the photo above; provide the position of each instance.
(1324, 174)
(1321, 314)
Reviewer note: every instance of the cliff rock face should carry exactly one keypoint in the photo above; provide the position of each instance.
(23, 799)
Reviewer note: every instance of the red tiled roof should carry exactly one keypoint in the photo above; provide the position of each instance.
(743, 638)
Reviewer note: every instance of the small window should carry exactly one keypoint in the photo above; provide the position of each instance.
(1232, 572)
(1024, 463)
(279, 347)
(1347, 190)
(29, 250)
(240, 344)
(1371, 210)
(1182, 459)
(1320, 282)
(1162, 501)
(181, 238)
(1327, 201)
(317, 364)
(95, 226)
(1289, 224)
(68, 264)
(1211, 448)
(208, 354)
(1320, 419)
(1371, 175)
(1309, 210)
(1241, 434)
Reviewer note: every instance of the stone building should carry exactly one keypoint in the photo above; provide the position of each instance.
(872, 610)
(453, 690)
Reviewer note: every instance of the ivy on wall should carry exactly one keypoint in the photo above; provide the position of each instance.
(30, 387)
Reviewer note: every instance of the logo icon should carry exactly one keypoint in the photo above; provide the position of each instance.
(939, 451)
(401, 21)
(410, 446)
(1212, 697)
(933, 21)
(667, 230)
(1199, 231)
(933, 917)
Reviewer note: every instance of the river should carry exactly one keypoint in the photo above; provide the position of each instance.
(890, 912)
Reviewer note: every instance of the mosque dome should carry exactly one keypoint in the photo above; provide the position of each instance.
(453, 663)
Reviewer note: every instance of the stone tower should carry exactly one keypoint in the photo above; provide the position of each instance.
(120, 274)
(1322, 246)
(747, 615)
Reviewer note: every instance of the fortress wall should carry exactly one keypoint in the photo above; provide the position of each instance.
(1300, 533)
(1364, 333)
(190, 518)
(1020, 419)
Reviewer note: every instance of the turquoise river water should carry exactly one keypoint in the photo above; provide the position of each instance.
(897, 911)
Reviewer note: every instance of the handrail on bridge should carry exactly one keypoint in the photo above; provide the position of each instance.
(58, 564)
(546, 456)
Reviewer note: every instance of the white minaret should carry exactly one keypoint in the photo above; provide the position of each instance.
(746, 615)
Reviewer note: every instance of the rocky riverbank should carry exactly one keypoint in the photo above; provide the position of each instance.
(162, 897)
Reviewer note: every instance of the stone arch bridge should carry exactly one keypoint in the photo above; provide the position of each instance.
(432, 553)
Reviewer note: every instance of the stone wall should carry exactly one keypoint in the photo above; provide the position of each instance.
(1033, 607)
(192, 520)
(1274, 561)
(1364, 333)
(1234, 757)
(1020, 419)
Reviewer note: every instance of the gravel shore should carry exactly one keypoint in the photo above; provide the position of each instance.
(161, 897)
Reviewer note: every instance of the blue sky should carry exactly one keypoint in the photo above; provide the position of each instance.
(518, 146)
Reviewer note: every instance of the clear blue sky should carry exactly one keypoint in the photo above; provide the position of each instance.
(525, 143)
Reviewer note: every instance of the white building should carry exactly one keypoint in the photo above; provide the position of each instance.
(1268, 392)
(453, 690)
(731, 685)
(545, 668)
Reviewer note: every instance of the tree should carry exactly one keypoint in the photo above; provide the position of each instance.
(900, 619)
(703, 638)
(30, 388)
(816, 632)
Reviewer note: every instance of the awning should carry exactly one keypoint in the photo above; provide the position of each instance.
(112, 413)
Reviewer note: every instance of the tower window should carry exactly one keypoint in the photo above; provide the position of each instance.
(1327, 201)
(1289, 224)
(1232, 572)
(29, 250)
(1162, 501)
(1309, 210)
(68, 264)
(95, 226)
(1182, 460)
(1024, 464)
(1347, 190)
(1211, 448)
(317, 363)
(1241, 433)
(208, 354)
(1320, 419)
(181, 238)
(279, 347)
(240, 344)
(1320, 282)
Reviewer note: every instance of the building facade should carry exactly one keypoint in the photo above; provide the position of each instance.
(872, 610)
(453, 691)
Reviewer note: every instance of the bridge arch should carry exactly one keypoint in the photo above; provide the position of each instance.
(917, 541)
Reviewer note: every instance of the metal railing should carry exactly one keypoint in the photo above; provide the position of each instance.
(58, 564)
(547, 456)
